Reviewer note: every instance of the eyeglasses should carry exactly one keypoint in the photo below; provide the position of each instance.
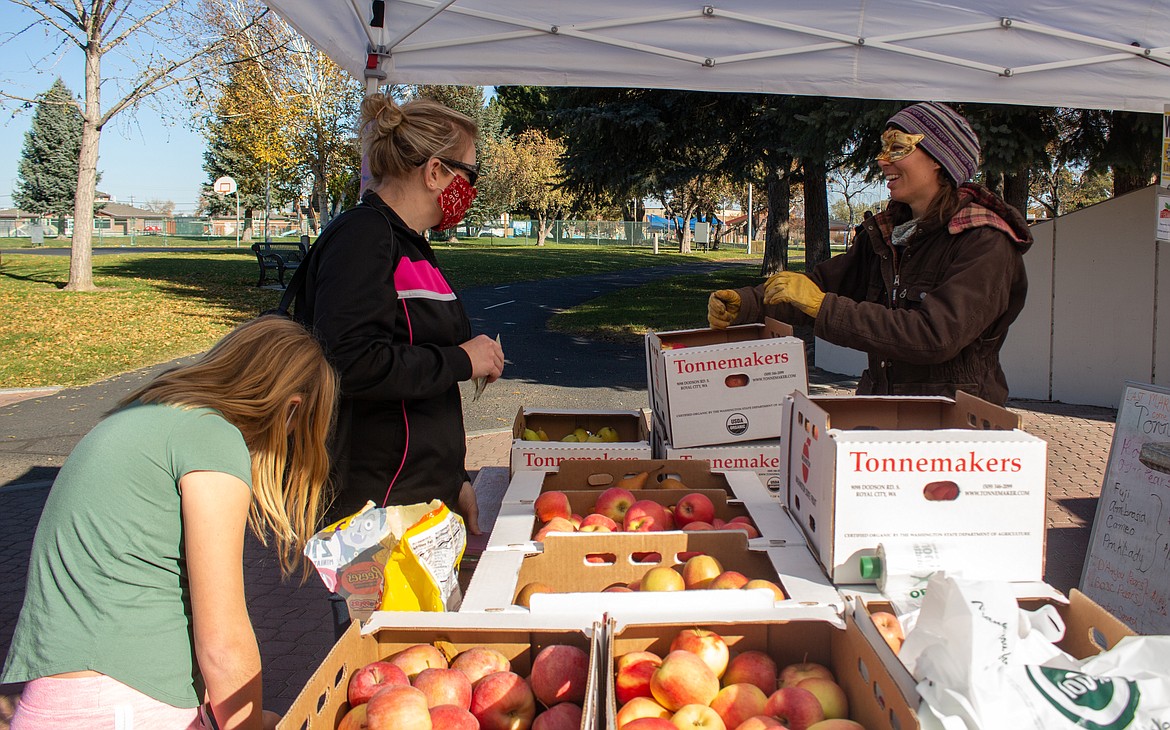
(897, 144)
(471, 170)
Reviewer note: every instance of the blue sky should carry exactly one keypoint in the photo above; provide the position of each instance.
(142, 155)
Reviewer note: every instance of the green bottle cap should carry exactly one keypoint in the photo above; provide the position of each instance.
(871, 567)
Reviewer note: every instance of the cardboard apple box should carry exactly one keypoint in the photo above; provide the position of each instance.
(717, 386)
(868, 470)
(321, 703)
(874, 699)
(766, 457)
(633, 437)
(578, 566)
(515, 524)
(1086, 623)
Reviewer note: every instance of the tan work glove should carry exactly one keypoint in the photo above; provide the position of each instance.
(722, 308)
(798, 290)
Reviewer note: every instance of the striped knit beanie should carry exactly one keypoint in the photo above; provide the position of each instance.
(949, 138)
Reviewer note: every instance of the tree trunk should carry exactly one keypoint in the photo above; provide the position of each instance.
(816, 213)
(246, 227)
(81, 256)
(1015, 190)
(542, 229)
(779, 186)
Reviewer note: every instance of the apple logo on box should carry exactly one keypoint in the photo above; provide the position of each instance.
(737, 424)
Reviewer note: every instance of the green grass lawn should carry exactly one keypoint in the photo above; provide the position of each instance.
(153, 307)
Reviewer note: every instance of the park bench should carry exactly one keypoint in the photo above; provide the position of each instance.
(276, 258)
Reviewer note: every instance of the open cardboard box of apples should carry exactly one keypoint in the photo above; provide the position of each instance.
(587, 571)
(753, 673)
(457, 672)
(639, 496)
(1089, 628)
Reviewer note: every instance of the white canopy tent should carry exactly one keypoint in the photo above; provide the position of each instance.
(1112, 55)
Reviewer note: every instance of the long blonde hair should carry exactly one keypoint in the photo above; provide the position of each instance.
(250, 377)
(397, 139)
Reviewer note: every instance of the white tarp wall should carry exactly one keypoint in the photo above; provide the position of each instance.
(1073, 53)
(1097, 280)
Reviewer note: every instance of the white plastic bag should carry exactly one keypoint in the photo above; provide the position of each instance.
(982, 663)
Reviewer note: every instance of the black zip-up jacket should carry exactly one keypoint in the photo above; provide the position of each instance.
(392, 327)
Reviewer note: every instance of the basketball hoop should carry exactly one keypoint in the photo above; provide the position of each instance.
(224, 185)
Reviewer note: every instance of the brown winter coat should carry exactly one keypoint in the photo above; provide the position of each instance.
(932, 318)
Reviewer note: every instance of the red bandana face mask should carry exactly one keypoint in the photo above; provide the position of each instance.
(454, 201)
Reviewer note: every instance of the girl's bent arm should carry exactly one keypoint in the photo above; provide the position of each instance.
(215, 511)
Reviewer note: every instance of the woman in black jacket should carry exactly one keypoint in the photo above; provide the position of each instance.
(397, 334)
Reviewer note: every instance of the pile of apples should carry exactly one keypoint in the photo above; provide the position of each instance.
(605, 434)
(617, 509)
(699, 684)
(416, 689)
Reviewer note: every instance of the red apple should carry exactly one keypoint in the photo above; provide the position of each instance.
(776, 591)
(414, 659)
(662, 578)
(640, 707)
(694, 526)
(761, 722)
(740, 518)
(836, 724)
(707, 645)
(744, 526)
(697, 716)
(890, 629)
(699, 571)
(371, 678)
(649, 723)
(752, 667)
(450, 717)
(598, 523)
(792, 674)
(355, 719)
(833, 701)
(613, 503)
(559, 674)
(645, 516)
(552, 504)
(563, 716)
(632, 677)
(795, 707)
(728, 580)
(480, 661)
(684, 679)
(717, 524)
(615, 588)
(398, 707)
(444, 687)
(556, 524)
(736, 703)
(694, 507)
(503, 701)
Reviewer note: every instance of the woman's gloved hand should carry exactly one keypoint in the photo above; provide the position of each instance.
(722, 308)
(788, 287)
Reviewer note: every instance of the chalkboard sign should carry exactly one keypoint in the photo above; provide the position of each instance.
(1127, 569)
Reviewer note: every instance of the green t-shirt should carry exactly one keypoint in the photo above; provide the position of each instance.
(107, 582)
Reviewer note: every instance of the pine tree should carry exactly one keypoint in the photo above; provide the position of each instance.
(47, 171)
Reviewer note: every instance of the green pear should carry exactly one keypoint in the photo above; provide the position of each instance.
(581, 433)
(571, 438)
(608, 434)
(543, 436)
(595, 438)
(530, 435)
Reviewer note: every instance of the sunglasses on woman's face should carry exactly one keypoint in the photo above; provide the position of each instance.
(471, 170)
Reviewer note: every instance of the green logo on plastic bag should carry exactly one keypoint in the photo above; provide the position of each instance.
(1097, 703)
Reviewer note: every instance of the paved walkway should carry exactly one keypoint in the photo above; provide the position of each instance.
(293, 623)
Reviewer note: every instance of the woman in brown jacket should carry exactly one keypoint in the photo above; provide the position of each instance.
(929, 286)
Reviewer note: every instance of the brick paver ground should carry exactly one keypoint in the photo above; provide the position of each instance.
(293, 622)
